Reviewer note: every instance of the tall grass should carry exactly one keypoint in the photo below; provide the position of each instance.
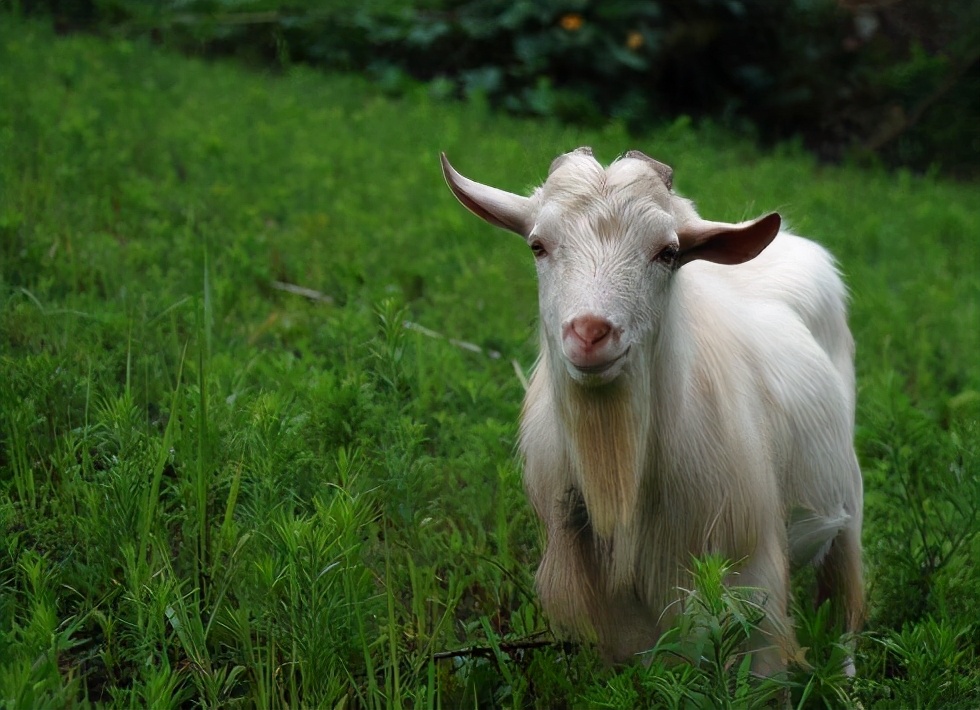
(217, 492)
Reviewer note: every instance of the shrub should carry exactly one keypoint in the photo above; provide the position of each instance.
(898, 80)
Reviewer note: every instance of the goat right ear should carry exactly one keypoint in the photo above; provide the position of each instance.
(498, 207)
(725, 243)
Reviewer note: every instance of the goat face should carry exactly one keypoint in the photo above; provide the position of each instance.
(606, 243)
(605, 247)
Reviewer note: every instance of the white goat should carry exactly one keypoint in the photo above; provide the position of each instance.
(694, 395)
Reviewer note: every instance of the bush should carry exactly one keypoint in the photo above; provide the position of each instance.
(898, 80)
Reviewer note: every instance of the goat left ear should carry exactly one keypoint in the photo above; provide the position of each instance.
(725, 243)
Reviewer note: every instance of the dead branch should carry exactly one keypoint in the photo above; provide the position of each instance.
(506, 647)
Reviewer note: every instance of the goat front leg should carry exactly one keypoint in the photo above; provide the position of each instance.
(767, 571)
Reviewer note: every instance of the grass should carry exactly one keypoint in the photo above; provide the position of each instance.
(217, 492)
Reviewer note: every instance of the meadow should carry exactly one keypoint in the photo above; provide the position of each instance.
(260, 377)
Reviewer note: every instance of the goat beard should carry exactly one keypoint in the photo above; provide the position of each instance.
(606, 444)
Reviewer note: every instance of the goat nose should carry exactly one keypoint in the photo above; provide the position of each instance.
(591, 329)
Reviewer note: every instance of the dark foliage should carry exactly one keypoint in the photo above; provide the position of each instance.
(900, 80)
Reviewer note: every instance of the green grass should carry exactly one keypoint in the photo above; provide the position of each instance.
(216, 492)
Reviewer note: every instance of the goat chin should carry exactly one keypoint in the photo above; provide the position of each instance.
(597, 375)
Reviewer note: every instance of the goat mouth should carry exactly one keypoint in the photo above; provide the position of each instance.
(601, 368)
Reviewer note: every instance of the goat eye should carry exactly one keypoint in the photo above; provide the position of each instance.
(667, 255)
(537, 248)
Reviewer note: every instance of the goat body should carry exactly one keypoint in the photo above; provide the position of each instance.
(694, 395)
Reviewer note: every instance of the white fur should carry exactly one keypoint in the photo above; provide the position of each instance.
(723, 425)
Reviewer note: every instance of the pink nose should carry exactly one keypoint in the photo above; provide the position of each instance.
(591, 330)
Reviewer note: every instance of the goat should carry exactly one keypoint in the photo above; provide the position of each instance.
(694, 395)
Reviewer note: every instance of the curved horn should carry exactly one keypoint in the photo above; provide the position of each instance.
(498, 207)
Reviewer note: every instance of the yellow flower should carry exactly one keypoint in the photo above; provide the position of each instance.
(571, 22)
(634, 40)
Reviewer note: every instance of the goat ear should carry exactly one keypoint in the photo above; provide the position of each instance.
(498, 207)
(725, 243)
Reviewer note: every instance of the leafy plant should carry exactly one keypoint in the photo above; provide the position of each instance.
(713, 635)
(928, 665)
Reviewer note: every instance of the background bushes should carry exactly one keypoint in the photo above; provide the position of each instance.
(900, 80)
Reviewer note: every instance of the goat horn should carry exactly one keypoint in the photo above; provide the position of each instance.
(665, 172)
(584, 150)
